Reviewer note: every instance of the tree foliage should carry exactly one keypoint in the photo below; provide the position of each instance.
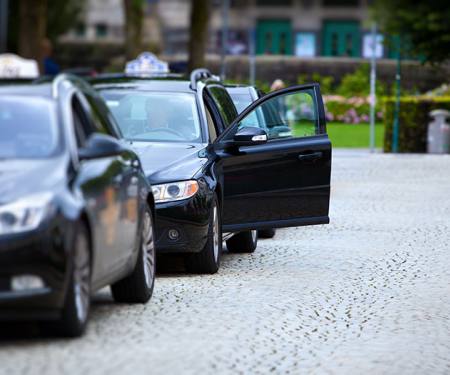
(63, 16)
(425, 24)
(31, 21)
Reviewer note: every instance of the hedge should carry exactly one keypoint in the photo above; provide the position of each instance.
(353, 110)
(413, 121)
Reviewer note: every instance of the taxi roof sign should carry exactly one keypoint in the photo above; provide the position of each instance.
(13, 66)
(146, 63)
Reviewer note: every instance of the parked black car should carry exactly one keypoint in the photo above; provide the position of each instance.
(215, 172)
(76, 210)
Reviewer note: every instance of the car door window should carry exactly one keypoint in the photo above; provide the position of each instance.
(82, 126)
(293, 114)
(222, 101)
(211, 126)
(99, 115)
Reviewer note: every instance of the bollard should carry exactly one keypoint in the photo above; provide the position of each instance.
(438, 140)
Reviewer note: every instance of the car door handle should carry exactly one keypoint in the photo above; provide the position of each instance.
(310, 156)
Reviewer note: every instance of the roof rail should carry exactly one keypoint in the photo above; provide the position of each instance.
(198, 74)
(55, 84)
(65, 77)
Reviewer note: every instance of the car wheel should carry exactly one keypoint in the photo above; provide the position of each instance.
(244, 242)
(138, 287)
(74, 315)
(266, 233)
(208, 260)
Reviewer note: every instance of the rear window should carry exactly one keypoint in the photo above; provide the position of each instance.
(28, 127)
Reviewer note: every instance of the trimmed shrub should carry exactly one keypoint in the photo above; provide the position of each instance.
(413, 121)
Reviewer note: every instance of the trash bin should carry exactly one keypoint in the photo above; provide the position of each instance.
(438, 140)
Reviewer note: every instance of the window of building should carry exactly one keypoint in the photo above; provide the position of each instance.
(101, 30)
(305, 44)
(80, 30)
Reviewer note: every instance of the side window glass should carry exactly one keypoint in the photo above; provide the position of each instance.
(211, 127)
(293, 114)
(224, 104)
(80, 135)
(101, 118)
(82, 127)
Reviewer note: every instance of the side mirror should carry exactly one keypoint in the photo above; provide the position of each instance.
(100, 146)
(250, 136)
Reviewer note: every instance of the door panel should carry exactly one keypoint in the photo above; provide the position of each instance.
(99, 180)
(128, 197)
(286, 181)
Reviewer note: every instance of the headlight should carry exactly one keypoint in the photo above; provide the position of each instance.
(174, 191)
(24, 214)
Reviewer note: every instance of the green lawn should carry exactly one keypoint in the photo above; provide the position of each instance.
(350, 135)
(357, 136)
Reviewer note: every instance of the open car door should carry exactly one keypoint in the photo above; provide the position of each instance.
(276, 162)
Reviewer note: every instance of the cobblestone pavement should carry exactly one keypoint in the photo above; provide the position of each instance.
(369, 293)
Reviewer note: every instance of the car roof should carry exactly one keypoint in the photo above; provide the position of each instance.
(238, 89)
(170, 82)
(25, 88)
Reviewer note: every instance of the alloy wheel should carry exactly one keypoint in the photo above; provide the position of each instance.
(81, 278)
(216, 233)
(148, 250)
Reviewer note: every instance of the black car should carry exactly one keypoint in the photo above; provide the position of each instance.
(215, 174)
(76, 210)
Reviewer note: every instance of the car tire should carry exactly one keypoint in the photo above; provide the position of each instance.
(138, 286)
(207, 261)
(266, 233)
(75, 313)
(244, 242)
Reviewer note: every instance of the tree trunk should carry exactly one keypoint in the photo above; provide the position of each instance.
(32, 26)
(134, 14)
(198, 37)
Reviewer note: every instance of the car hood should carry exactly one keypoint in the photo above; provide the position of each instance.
(166, 162)
(19, 178)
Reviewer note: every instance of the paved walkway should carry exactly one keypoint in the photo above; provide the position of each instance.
(369, 293)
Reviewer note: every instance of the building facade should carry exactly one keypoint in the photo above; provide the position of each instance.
(304, 28)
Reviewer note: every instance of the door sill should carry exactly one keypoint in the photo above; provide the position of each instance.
(317, 220)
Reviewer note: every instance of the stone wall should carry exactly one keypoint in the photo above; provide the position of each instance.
(268, 68)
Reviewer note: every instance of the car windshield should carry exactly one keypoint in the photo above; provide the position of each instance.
(28, 128)
(155, 116)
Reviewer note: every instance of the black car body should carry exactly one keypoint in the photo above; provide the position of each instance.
(74, 204)
(257, 184)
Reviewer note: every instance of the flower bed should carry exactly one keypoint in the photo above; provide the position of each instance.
(355, 110)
